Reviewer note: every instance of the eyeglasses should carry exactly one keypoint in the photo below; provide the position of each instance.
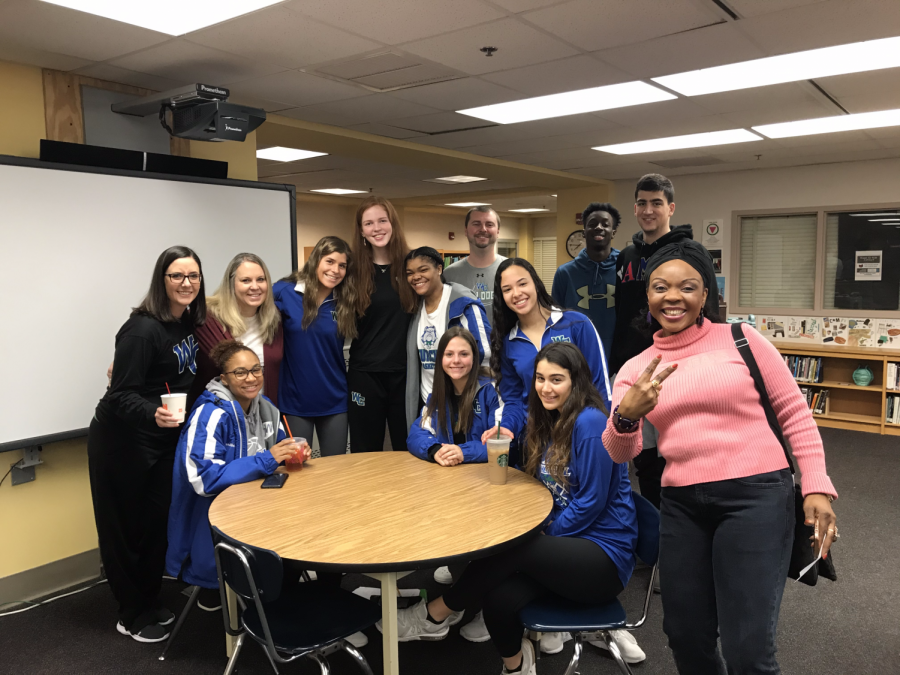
(178, 277)
(242, 373)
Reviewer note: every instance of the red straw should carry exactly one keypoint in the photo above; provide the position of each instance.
(167, 388)
(284, 417)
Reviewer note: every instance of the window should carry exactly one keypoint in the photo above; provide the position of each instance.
(545, 259)
(778, 261)
(508, 248)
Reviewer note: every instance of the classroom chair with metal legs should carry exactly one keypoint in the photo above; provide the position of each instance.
(303, 620)
(594, 622)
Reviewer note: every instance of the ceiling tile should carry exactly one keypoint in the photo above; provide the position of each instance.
(526, 5)
(708, 46)
(468, 92)
(297, 89)
(518, 45)
(278, 35)
(186, 61)
(380, 129)
(51, 28)
(748, 8)
(786, 98)
(104, 71)
(439, 123)
(372, 108)
(823, 24)
(18, 53)
(396, 21)
(865, 92)
(553, 77)
(650, 114)
(599, 24)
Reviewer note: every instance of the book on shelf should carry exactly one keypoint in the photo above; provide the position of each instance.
(819, 402)
(892, 409)
(893, 376)
(805, 368)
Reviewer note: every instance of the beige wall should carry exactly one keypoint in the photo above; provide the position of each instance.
(709, 196)
(568, 204)
(241, 157)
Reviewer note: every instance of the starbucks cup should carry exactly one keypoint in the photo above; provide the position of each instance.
(175, 404)
(498, 460)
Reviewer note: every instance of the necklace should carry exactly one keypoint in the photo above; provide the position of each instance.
(382, 268)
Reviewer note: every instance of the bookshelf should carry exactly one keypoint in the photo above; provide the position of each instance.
(451, 257)
(850, 406)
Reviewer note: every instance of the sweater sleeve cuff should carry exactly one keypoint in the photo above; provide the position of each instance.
(622, 447)
(817, 483)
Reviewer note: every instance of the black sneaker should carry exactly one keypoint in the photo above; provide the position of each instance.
(150, 633)
(164, 617)
(209, 600)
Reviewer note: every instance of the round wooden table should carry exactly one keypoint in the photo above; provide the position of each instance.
(382, 513)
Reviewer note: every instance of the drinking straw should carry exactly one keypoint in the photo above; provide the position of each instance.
(287, 426)
(498, 432)
(167, 388)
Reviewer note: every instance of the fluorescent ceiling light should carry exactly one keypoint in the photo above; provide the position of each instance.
(173, 17)
(852, 58)
(468, 204)
(829, 125)
(884, 220)
(867, 215)
(527, 210)
(339, 191)
(681, 142)
(280, 154)
(454, 180)
(570, 103)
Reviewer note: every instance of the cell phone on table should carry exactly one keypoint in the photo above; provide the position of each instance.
(276, 480)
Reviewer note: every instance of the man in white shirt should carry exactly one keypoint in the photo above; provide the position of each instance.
(477, 271)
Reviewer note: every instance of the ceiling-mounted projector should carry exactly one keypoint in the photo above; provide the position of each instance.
(199, 112)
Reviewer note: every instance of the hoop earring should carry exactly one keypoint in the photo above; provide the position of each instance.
(701, 315)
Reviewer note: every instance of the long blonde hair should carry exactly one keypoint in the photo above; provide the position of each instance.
(365, 263)
(223, 305)
(345, 296)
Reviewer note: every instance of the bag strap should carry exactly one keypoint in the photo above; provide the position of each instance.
(743, 346)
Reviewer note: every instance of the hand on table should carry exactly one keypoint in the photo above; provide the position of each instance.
(165, 419)
(449, 455)
(643, 395)
(820, 514)
(492, 433)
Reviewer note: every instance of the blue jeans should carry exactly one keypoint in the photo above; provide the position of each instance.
(724, 555)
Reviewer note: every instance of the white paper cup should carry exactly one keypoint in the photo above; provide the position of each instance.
(175, 404)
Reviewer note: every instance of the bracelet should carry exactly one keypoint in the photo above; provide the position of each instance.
(623, 424)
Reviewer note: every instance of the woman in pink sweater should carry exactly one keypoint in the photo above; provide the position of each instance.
(727, 497)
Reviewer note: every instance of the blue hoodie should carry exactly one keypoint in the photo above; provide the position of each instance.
(465, 310)
(598, 504)
(517, 363)
(211, 456)
(488, 411)
(589, 287)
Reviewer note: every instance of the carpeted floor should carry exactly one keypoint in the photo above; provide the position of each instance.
(851, 627)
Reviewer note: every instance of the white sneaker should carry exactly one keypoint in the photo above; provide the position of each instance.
(527, 667)
(552, 643)
(456, 617)
(358, 639)
(413, 624)
(628, 646)
(442, 576)
(475, 630)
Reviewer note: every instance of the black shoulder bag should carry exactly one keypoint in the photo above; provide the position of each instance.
(802, 554)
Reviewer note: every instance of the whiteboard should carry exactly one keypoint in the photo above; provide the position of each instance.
(78, 252)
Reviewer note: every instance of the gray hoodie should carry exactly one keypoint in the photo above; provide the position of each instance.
(261, 411)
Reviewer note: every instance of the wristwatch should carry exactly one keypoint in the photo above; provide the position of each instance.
(624, 424)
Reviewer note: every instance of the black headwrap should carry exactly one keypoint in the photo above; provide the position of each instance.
(696, 256)
(429, 254)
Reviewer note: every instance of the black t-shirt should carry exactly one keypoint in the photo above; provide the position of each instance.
(380, 344)
(149, 355)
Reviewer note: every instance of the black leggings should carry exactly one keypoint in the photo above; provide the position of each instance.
(576, 569)
(376, 398)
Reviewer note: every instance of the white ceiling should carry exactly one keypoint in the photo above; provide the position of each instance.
(272, 58)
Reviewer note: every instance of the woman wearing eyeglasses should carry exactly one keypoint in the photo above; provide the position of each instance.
(132, 439)
(243, 307)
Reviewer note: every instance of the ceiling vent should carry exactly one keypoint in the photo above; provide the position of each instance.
(687, 161)
(388, 72)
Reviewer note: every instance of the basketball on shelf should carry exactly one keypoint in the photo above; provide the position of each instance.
(862, 376)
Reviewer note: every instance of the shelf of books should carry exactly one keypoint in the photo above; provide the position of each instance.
(825, 377)
(451, 257)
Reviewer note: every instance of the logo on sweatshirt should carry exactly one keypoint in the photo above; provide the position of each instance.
(429, 336)
(187, 354)
(358, 399)
(268, 429)
(586, 296)
(482, 293)
(334, 315)
(476, 407)
(629, 273)
(559, 338)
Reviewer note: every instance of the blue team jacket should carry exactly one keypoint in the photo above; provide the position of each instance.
(211, 456)
(517, 363)
(313, 380)
(588, 287)
(465, 310)
(598, 504)
(488, 411)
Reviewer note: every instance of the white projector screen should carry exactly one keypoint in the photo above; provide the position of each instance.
(79, 247)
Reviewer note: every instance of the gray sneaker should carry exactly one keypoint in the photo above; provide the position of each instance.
(627, 644)
(413, 624)
(442, 576)
(552, 643)
(528, 666)
(475, 630)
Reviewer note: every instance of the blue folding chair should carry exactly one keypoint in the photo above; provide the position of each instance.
(594, 622)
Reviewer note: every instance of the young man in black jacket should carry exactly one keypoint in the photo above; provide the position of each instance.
(654, 205)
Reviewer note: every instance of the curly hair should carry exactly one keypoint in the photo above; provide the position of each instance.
(223, 352)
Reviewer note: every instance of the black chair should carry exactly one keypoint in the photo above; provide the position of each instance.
(302, 620)
(594, 622)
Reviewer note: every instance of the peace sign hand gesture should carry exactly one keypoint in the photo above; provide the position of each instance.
(644, 393)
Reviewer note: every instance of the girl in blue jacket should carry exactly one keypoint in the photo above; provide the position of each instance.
(441, 305)
(524, 322)
(587, 552)
(461, 406)
(233, 436)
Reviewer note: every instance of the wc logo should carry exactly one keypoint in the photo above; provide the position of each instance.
(481, 290)
(187, 354)
(559, 338)
(477, 407)
(334, 315)
(358, 399)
